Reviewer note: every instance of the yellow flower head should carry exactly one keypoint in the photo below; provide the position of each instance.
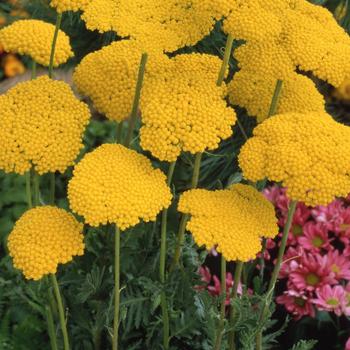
(69, 5)
(41, 125)
(166, 24)
(33, 38)
(184, 110)
(43, 238)
(114, 184)
(308, 153)
(233, 219)
(108, 77)
(343, 91)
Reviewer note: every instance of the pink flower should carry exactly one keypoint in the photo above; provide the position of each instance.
(347, 345)
(277, 196)
(331, 215)
(331, 299)
(315, 237)
(297, 303)
(338, 264)
(205, 277)
(215, 290)
(312, 273)
(291, 261)
(270, 244)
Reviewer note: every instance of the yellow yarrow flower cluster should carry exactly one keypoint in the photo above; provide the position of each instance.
(114, 184)
(41, 125)
(108, 77)
(166, 24)
(33, 38)
(69, 5)
(43, 238)
(307, 153)
(300, 35)
(184, 110)
(234, 219)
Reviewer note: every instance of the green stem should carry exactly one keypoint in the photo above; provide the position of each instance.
(275, 98)
(53, 45)
(163, 249)
(60, 311)
(236, 281)
(28, 189)
(185, 217)
(221, 327)
(116, 288)
(119, 134)
(262, 261)
(136, 103)
(275, 272)
(226, 60)
(51, 328)
(33, 69)
(36, 186)
(52, 188)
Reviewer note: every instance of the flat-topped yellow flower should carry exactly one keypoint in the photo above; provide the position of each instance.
(307, 153)
(69, 5)
(114, 184)
(33, 38)
(108, 77)
(166, 24)
(41, 125)
(234, 219)
(184, 110)
(43, 238)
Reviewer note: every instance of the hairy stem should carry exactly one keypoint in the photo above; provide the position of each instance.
(275, 272)
(116, 288)
(51, 328)
(221, 327)
(137, 96)
(226, 60)
(236, 281)
(163, 249)
(60, 311)
(275, 98)
(185, 217)
(53, 44)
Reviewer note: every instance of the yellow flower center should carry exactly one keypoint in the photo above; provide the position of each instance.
(312, 279)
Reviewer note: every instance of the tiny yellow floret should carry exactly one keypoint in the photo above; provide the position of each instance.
(114, 184)
(307, 153)
(69, 5)
(41, 125)
(234, 220)
(43, 238)
(34, 38)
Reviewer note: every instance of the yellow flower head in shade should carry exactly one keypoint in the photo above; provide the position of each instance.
(69, 5)
(33, 38)
(166, 24)
(308, 153)
(114, 184)
(261, 65)
(43, 238)
(234, 219)
(307, 33)
(184, 110)
(41, 125)
(108, 77)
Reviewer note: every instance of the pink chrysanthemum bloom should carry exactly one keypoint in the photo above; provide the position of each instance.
(312, 273)
(347, 345)
(298, 303)
(330, 215)
(291, 261)
(331, 299)
(338, 264)
(315, 237)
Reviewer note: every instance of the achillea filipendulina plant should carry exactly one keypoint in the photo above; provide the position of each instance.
(233, 220)
(43, 238)
(184, 109)
(300, 36)
(69, 5)
(116, 185)
(305, 152)
(33, 38)
(41, 126)
(108, 77)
